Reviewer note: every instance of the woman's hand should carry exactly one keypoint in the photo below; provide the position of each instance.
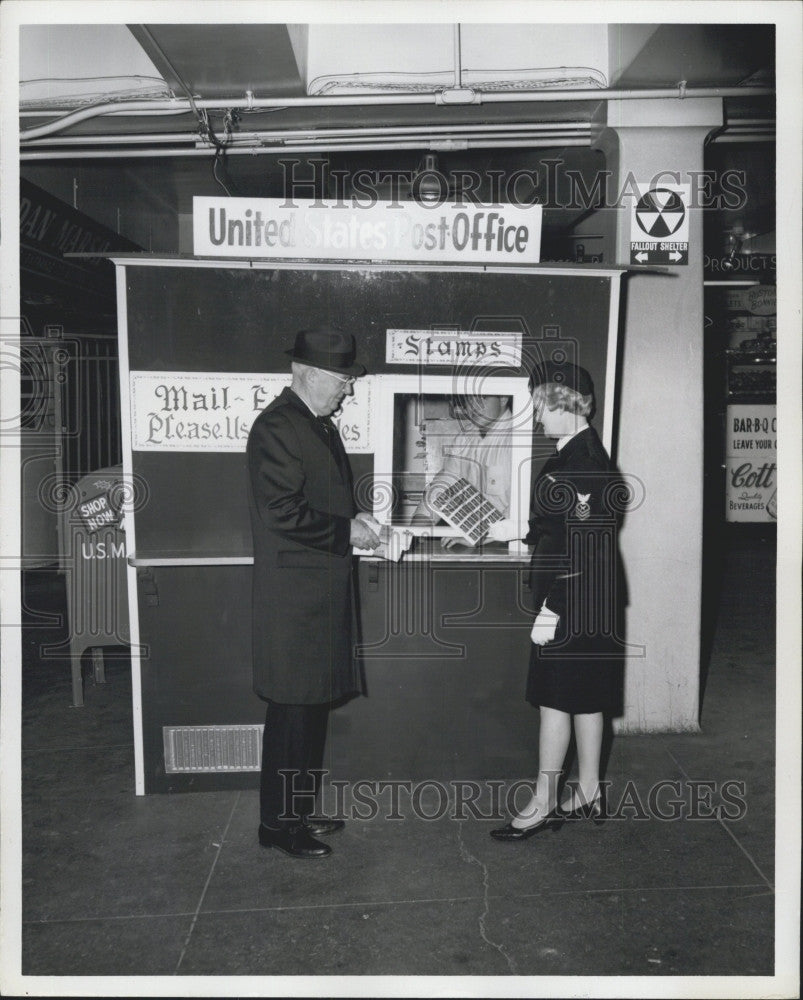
(544, 626)
(505, 530)
(450, 542)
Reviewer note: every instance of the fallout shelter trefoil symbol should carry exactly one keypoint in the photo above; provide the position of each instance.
(660, 212)
(659, 225)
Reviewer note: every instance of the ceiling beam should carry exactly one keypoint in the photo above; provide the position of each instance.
(224, 60)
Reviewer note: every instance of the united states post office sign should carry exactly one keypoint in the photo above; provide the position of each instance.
(196, 411)
(408, 231)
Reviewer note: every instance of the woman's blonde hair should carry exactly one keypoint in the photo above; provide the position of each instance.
(555, 396)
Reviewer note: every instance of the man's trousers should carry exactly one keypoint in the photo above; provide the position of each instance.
(293, 743)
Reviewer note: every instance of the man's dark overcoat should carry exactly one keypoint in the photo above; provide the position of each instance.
(301, 505)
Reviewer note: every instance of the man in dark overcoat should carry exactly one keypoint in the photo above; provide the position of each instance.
(304, 525)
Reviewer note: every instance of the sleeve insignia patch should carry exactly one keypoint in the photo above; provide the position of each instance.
(582, 510)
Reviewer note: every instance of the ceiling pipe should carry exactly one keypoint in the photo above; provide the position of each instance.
(256, 144)
(31, 153)
(26, 112)
(556, 130)
(454, 98)
(256, 139)
(28, 155)
(680, 93)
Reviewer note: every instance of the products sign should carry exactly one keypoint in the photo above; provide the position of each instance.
(195, 411)
(750, 462)
(455, 347)
(659, 225)
(388, 231)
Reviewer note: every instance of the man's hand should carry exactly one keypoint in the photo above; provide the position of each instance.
(505, 530)
(544, 626)
(362, 534)
(370, 520)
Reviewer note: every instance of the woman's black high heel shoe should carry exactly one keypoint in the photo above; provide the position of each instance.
(553, 821)
(593, 810)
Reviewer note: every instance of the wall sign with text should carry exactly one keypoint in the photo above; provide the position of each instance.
(751, 462)
(659, 224)
(453, 347)
(196, 411)
(274, 228)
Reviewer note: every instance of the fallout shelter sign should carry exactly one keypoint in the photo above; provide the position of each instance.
(659, 225)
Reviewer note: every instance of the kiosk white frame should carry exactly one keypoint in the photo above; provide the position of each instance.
(382, 396)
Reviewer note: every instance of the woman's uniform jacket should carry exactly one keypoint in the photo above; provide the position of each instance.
(301, 506)
(573, 572)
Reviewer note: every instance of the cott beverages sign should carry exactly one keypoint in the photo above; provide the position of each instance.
(750, 463)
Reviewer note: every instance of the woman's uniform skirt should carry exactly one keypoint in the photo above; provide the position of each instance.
(577, 674)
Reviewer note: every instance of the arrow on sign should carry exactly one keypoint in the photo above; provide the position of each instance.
(643, 255)
(674, 255)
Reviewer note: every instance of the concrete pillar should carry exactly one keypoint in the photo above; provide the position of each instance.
(660, 426)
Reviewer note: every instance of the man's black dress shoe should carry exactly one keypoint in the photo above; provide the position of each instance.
(510, 832)
(321, 826)
(296, 841)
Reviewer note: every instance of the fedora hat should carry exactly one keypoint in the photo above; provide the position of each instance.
(326, 347)
(565, 373)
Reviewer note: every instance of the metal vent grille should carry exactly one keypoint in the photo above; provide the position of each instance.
(212, 748)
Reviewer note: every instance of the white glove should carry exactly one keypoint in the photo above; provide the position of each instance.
(504, 531)
(544, 626)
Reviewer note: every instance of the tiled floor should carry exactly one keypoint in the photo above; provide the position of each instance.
(176, 884)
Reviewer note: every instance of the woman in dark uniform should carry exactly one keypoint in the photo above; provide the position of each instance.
(573, 663)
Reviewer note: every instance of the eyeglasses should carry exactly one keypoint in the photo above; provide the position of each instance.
(350, 380)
